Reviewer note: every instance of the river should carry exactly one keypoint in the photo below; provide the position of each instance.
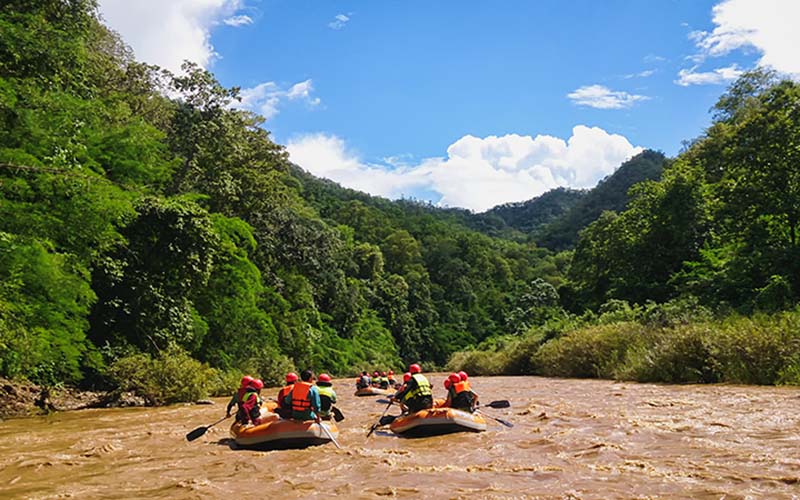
(575, 439)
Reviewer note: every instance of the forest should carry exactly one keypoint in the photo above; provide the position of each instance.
(154, 238)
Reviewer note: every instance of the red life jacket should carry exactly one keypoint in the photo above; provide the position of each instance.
(283, 393)
(300, 397)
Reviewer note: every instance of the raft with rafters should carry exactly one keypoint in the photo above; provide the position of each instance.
(374, 391)
(280, 434)
(437, 421)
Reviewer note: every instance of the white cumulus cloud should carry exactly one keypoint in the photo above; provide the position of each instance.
(168, 32)
(718, 76)
(769, 26)
(601, 97)
(240, 20)
(265, 98)
(476, 173)
(339, 22)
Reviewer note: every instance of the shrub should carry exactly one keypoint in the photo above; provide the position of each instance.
(590, 352)
(173, 376)
(682, 354)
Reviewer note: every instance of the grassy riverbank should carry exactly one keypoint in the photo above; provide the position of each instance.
(649, 345)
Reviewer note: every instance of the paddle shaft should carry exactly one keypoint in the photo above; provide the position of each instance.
(500, 420)
(202, 430)
(328, 433)
(375, 426)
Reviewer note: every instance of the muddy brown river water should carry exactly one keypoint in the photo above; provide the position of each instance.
(571, 439)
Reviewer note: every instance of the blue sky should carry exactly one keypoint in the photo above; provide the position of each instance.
(469, 103)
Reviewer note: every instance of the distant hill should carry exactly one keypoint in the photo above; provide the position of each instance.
(554, 219)
(610, 194)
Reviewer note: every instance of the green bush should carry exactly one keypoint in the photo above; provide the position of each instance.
(589, 352)
(679, 355)
(171, 377)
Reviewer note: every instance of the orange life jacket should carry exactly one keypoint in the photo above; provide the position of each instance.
(462, 386)
(300, 399)
(283, 393)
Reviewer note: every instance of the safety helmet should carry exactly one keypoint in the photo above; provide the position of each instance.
(291, 377)
(383, 374)
(447, 383)
(324, 377)
(463, 376)
(391, 372)
(415, 368)
(257, 384)
(375, 374)
(246, 381)
(454, 378)
(406, 377)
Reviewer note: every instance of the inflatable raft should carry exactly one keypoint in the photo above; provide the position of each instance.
(436, 421)
(374, 391)
(281, 434)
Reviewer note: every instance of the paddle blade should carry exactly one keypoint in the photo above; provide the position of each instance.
(383, 401)
(337, 414)
(196, 433)
(503, 403)
(504, 422)
(387, 419)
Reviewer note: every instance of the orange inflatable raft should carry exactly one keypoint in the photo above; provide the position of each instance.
(278, 434)
(374, 391)
(436, 421)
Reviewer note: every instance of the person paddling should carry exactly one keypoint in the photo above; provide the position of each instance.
(238, 394)
(249, 410)
(327, 396)
(392, 381)
(459, 393)
(416, 394)
(363, 381)
(303, 398)
(282, 410)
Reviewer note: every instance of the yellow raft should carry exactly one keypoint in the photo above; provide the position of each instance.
(436, 421)
(374, 391)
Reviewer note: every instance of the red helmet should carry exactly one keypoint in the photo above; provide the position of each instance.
(462, 375)
(246, 381)
(406, 377)
(391, 372)
(291, 377)
(454, 378)
(383, 374)
(324, 377)
(415, 368)
(447, 383)
(257, 384)
(375, 374)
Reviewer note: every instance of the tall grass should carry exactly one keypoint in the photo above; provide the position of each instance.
(660, 345)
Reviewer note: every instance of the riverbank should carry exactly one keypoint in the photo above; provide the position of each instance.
(24, 399)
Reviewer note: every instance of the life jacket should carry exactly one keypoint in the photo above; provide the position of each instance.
(245, 395)
(462, 386)
(423, 387)
(301, 401)
(326, 395)
(285, 390)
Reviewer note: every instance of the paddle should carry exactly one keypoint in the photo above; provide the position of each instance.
(330, 436)
(503, 403)
(375, 426)
(202, 430)
(337, 414)
(500, 420)
(383, 401)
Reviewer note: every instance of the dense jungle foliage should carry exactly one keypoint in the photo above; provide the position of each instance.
(148, 230)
